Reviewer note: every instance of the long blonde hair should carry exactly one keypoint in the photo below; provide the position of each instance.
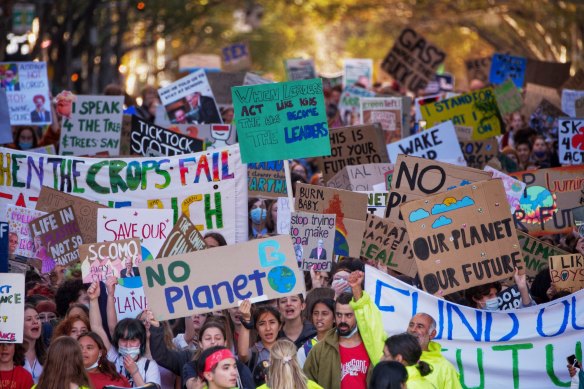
(284, 371)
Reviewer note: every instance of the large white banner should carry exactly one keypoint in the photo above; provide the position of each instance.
(209, 187)
(525, 348)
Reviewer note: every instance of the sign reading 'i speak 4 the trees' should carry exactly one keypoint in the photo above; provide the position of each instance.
(281, 121)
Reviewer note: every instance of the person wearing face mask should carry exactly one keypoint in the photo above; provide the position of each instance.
(485, 296)
(128, 344)
(25, 138)
(101, 372)
(257, 218)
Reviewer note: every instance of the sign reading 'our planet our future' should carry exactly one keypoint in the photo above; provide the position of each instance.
(281, 121)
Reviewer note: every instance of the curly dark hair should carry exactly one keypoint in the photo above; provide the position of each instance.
(67, 293)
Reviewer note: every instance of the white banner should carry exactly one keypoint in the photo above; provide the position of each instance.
(524, 348)
(209, 187)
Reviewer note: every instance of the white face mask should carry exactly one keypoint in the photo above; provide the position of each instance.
(492, 304)
(133, 352)
(96, 364)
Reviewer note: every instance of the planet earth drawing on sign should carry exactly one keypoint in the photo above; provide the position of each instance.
(282, 279)
(535, 200)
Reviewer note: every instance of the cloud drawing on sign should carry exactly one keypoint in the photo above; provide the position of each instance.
(418, 214)
(450, 204)
(441, 222)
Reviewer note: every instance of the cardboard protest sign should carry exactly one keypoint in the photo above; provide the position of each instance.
(117, 259)
(354, 145)
(504, 66)
(514, 188)
(578, 215)
(463, 237)
(236, 57)
(51, 200)
(281, 121)
(414, 178)
(552, 74)
(478, 69)
(571, 141)
(477, 109)
(94, 126)
(413, 60)
(545, 205)
(4, 243)
(544, 119)
(567, 272)
(376, 202)
(183, 238)
(350, 208)
(266, 179)
(129, 298)
(149, 140)
(388, 243)
(59, 237)
(429, 99)
(350, 105)
(478, 153)
(535, 93)
(509, 298)
(358, 71)
(386, 111)
(569, 98)
(258, 270)
(151, 226)
(27, 91)
(21, 240)
(437, 143)
(221, 84)
(579, 107)
(360, 177)
(536, 253)
(313, 237)
(190, 100)
(5, 129)
(299, 69)
(508, 97)
(495, 349)
(199, 62)
(12, 295)
(209, 187)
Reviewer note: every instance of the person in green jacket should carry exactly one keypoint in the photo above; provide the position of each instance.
(405, 349)
(444, 375)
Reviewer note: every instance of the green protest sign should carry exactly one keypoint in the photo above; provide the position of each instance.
(281, 121)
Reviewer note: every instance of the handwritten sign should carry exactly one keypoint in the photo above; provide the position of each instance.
(4, 242)
(313, 238)
(536, 253)
(387, 111)
(478, 69)
(350, 208)
(476, 109)
(505, 66)
(236, 57)
(567, 272)
(388, 243)
(183, 238)
(59, 238)
(109, 259)
(284, 216)
(413, 60)
(20, 237)
(478, 153)
(51, 200)
(569, 98)
(95, 126)
(266, 179)
(544, 119)
(513, 187)
(360, 177)
(437, 143)
(151, 226)
(350, 105)
(129, 298)
(376, 202)
(27, 91)
(280, 121)
(150, 140)
(571, 145)
(12, 297)
(508, 97)
(258, 270)
(463, 237)
(299, 69)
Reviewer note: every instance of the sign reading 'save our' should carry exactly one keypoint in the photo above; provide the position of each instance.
(280, 121)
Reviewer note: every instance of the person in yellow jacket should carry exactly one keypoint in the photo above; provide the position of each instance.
(405, 349)
(284, 371)
(444, 374)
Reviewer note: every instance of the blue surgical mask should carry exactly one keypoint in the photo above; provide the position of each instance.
(25, 145)
(133, 352)
(258, 215)
(540, 154)
(492, 304)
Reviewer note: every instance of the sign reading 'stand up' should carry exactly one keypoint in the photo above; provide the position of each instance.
(258, 270)
(463, 237)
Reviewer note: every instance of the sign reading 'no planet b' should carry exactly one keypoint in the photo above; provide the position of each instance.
(281, 121)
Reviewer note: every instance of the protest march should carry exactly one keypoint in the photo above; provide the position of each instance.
(388, 224)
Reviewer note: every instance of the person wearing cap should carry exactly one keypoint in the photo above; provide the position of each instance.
(218, 369)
